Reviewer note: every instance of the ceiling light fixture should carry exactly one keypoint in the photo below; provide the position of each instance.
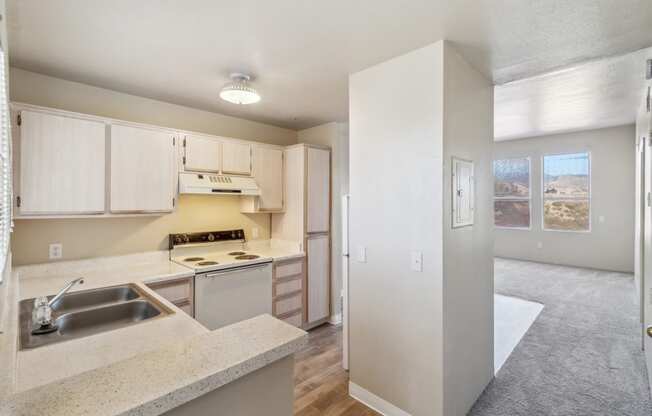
(238, 91)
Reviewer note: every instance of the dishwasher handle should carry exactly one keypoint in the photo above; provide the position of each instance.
(234, 270)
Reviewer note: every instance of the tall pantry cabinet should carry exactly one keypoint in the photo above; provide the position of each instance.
(306, 220)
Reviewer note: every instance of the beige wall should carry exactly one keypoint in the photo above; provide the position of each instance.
(610, 244)
(336, 136)
(83, 238)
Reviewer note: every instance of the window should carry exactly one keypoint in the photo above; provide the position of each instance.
(512, 193)
(5, 166)
(566, 192)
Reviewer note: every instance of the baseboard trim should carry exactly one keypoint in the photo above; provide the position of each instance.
(335, 319)
(374, 402)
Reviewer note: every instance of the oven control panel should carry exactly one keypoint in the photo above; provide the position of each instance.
(205, 237)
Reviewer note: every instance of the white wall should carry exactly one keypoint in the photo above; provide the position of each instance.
(610, 244)
(468, 258)
(411, 333)
(336, 136)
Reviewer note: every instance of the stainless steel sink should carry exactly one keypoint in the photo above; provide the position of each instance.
(88, 312)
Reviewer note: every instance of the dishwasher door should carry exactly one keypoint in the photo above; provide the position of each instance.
(228, 296)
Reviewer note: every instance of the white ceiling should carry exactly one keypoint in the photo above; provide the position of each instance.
(592, 95)
(302, 51)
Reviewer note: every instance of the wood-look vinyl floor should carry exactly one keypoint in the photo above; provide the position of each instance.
(321, 386)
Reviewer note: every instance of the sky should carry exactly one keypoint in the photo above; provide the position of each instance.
(568, 164)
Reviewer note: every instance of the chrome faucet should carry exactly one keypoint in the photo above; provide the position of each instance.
(42, 312)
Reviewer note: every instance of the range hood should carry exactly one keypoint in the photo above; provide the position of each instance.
(213, 184)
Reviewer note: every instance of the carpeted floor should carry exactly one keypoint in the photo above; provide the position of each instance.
(582, 355)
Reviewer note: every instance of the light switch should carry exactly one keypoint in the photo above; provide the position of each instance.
(362, 254)
(56, 251)
(416, 261)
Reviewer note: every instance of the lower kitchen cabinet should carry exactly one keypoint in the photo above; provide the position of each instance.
(289, 291)
(318, 278)
(180, 292)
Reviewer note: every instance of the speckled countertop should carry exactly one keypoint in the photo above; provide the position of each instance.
(172, 350)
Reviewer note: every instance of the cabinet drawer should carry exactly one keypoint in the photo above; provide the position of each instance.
(286, 305)
(175, 290)
(288, 269)
(294, 320)
(287, 286)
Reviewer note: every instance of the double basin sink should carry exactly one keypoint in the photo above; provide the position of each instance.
(88, 312)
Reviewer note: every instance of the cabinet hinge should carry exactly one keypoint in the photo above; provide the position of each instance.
(19, 119)
(648, 69)
(173, 202)
(649, 100)
(184, 160)
(184, 142)
(18, 201)
(174, 141)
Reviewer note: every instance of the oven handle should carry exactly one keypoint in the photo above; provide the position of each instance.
(235, 270)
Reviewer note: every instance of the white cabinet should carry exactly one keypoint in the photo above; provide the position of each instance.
(318, 190)
(142, 170)
(62, 165)
(268, 173)
(318, 252)
(201, 154)
(236, 158)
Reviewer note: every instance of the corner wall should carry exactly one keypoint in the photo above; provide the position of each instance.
(610, 244)
(336, 136)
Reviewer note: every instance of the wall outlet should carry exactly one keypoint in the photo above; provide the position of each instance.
(539, 244)
(254, 233)
(56, 251)
(362, 254)
(416, 263)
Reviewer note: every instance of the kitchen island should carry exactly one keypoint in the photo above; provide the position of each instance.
(170, 364)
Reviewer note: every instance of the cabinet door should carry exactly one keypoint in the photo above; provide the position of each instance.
(236, 158)
(318, 277)
(319, 174)
(268, 172)
(201, 154)
(62, 165)
(142, 170)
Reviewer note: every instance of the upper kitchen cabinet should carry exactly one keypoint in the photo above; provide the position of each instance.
(268, 173)
(201, 154)
(318, 190)
(61, 164)
(143, 170)
(236, 158)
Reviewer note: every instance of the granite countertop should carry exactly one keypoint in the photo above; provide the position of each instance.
(116, 360)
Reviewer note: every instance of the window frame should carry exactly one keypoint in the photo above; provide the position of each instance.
(588, 198)
(512, 198)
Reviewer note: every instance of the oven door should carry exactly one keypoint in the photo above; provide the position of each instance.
(228, 296)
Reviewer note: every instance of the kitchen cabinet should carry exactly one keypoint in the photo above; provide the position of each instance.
(180, 292)
(61, 164)
(268, 173)
(318, 190)
(288, 291)
(236, 158)
(143, 169)
(201, 154)
(318, 252)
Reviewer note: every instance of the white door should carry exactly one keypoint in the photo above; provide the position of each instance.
(318, 251)
(644, 126)
(268, 172)
(201, 154)
(142, 170)
(62, 165)
(236, 158)
(345, 282)
(318, 190)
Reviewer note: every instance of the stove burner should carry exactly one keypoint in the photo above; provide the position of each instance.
(237, 253)
(207, 263)
(193, 259)
(247, 257)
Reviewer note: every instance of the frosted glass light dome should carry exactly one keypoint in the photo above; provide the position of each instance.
(238, 91)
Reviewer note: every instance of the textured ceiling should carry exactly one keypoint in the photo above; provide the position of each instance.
(301, 52)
